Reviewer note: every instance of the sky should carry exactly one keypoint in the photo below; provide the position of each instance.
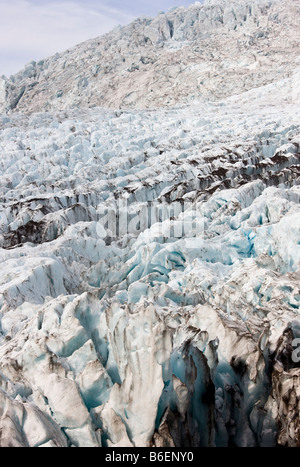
(35, 29)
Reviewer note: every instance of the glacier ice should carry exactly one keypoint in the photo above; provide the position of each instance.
(149, 288)
(148, 339)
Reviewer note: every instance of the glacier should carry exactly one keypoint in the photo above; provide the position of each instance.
(175, 329)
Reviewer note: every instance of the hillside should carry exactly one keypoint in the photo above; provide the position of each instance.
(202, 52)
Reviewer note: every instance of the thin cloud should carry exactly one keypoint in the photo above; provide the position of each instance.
(31, 31)
(36, 29)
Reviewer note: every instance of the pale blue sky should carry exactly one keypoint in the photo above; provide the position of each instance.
(36, 29)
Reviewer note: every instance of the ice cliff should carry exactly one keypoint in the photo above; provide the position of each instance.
(150, 282)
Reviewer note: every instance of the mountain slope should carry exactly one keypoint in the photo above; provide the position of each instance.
(201, 52)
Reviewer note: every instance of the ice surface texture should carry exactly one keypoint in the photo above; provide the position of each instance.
(141, 337)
